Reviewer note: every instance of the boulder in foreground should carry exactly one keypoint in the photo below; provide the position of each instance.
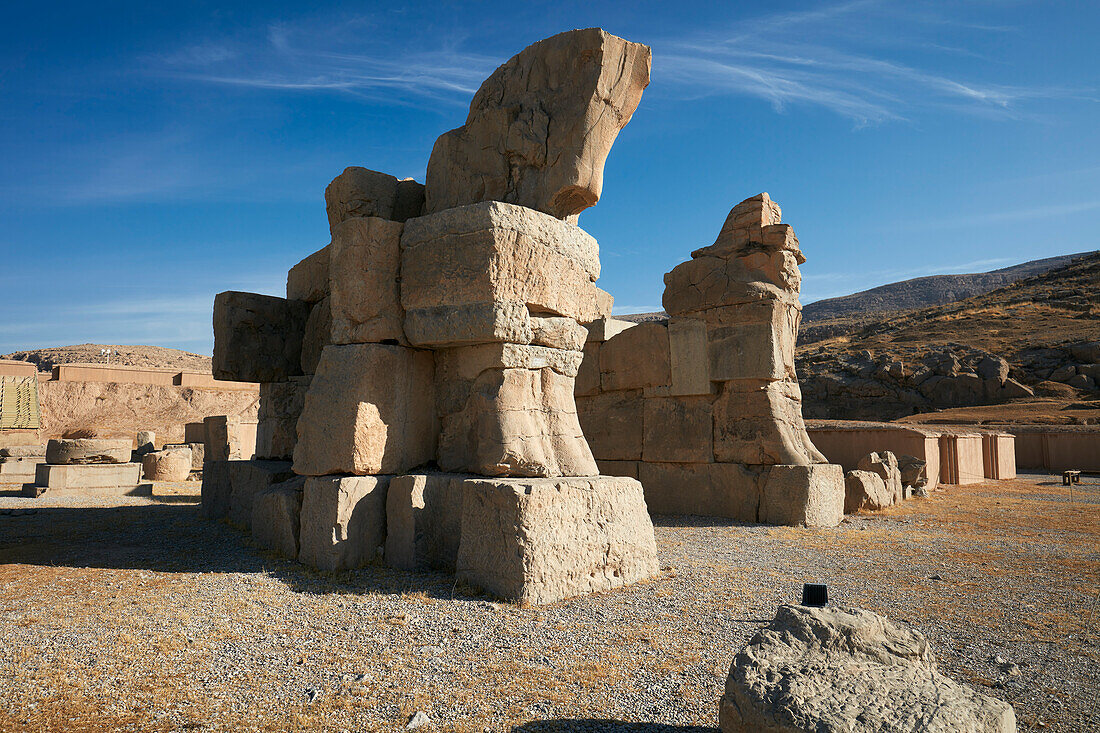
(846, 669)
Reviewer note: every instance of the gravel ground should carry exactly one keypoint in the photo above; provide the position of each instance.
(134, 613)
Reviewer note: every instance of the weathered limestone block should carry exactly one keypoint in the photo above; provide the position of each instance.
(146, 441)
(760, 422)
(516, 422)
(613, 424)
(746, 222)
(424, 521)
(317, 334)
(229, 438)
(276, 514)
(172, 464)
(113, 479)
(364, 274)
(753, 340)
(811, 496)
(558, 333)
(638, 357)
(361, 192)
(257, 338)
(308, 280)
(23, 451)
(604, 329)
(216, 489)
(456, 369)
(72, 451)
(846, 669)
(678, 430)
(727, 490)
(280, 407)
(343, 521)
(588, 374)
(477, 323)
(369, 409)
(709, 282)
(886, 466)
(198, 453)
(494, 252)
(542, 540)
(246, 480)
(914, 471)
(689, 362)
(541, 126)
(630, 469)
(865, 490)
(19, 470)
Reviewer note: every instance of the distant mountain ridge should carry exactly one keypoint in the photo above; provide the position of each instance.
(922, 292)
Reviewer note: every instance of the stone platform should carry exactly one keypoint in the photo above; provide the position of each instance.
(18, 470)
(98, 478)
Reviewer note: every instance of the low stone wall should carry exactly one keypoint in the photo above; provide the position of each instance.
(847, 443)
(1039, 448)
(145, 375)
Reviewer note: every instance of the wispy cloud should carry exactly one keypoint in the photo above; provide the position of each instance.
(306, 57)
(842, 58)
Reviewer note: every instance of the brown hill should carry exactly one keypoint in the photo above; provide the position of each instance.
(922, 292)
(137, 356)
(1038, 337)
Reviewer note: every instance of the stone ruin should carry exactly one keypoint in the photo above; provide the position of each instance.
(704, 407)
(417, 382)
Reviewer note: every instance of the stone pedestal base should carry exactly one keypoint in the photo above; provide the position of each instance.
(812, 495)
(98, 478)
(18, 470)
(529, 540)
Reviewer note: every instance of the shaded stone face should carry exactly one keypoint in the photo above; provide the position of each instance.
(541, 126)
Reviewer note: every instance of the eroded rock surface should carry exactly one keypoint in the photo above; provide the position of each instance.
(846, 669)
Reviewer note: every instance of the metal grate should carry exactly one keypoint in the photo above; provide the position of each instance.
(19, 403)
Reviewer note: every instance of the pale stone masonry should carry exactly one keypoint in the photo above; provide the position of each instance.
(429, 356)
(704, 407)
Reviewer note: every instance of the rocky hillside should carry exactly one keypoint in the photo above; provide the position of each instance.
(922, 292)
(138, 356)
(1038, 337)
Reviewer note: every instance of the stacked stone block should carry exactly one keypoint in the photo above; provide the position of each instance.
(448, 336)
(704, 407)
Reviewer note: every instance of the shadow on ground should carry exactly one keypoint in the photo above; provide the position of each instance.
(592, 725)
(172, 536)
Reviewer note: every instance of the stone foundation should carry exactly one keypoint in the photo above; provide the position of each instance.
(117, 479)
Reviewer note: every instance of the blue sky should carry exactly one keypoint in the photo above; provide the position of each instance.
(153, 156)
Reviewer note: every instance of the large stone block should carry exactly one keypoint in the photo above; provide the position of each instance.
(364, 274)
(280, 407)
(246, 480)
(541, 126)
(216, 489)
(846, 669)
(499, 253)
(19, 470)
(361, 192)
(257, 338)
(760, 422)
(369, 409)
(726, 490)
(613, 424)
(588, 374)
(865, 490)
(558, 333)
(603, 329)
(343, 521)
(276, 514)
(678, 430)
(229, 438)
(317, 335)
(638, 357)
(753, 340)
(308, 280)
(885, 464)
(542, 540)
(72, 451)
(424, 521)
(811, 496)
(689, 364)
(112, 479)
(516, 422)
(448, 326)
